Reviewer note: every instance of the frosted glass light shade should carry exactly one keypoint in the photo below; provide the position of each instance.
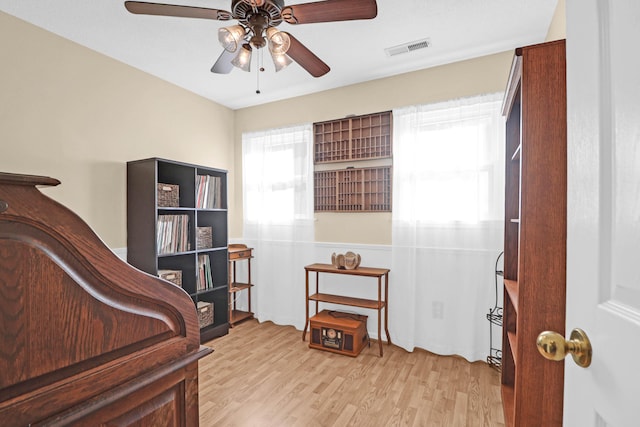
(279, 42)
(231, 37)
(280, 60)
(243, 58)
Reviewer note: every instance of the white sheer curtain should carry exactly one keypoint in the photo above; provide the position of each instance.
(448, 203)
(278, 218)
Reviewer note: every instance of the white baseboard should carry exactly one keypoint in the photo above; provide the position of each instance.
(121, 252)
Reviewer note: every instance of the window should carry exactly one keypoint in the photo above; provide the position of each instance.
(448, 162)
(278, 218)
(447, 222)
(278, 175)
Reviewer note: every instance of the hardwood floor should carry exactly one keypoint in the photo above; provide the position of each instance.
(262, 374)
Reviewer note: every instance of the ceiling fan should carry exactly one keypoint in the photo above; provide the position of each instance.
(256, 28)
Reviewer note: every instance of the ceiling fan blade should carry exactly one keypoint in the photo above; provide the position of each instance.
(223, 65)
(143, 8)
(307, 59)
(329, 11)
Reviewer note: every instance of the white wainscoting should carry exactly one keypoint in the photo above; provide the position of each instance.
(415, 320)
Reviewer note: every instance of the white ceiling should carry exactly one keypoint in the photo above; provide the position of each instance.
(182, 50)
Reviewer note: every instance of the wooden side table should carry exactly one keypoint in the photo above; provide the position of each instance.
(379, 304)
(239, 252)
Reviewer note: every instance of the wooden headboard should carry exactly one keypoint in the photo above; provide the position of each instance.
(86, 339)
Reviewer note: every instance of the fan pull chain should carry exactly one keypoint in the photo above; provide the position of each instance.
(260, 70)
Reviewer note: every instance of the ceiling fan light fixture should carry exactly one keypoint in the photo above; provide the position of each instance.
(243, 58)
(231, 37)
(279, 42)
(280, 60)
(255, 27)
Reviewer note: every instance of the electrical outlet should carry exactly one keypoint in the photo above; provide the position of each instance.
(437, 309)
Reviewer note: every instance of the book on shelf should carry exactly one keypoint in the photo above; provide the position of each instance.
(209, 195)
(173, 234)
(205, 278)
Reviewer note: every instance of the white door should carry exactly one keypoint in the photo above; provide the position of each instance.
(603, 236)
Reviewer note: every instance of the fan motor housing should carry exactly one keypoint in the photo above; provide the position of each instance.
(272, 9)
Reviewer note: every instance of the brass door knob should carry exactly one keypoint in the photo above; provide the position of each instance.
(553, 346)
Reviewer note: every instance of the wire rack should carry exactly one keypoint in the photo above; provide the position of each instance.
(494, 316)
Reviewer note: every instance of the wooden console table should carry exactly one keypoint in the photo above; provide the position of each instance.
(379, 304)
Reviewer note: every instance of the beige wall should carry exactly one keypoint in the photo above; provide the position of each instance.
(477, 76)
(78, 116)
(73, 114)
(558, 26)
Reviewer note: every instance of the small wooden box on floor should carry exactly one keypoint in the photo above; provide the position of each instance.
(342, 333)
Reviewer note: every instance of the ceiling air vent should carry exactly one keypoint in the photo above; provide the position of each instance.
(408, 47)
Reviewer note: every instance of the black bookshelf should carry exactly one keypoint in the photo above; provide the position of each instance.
(144, 209)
